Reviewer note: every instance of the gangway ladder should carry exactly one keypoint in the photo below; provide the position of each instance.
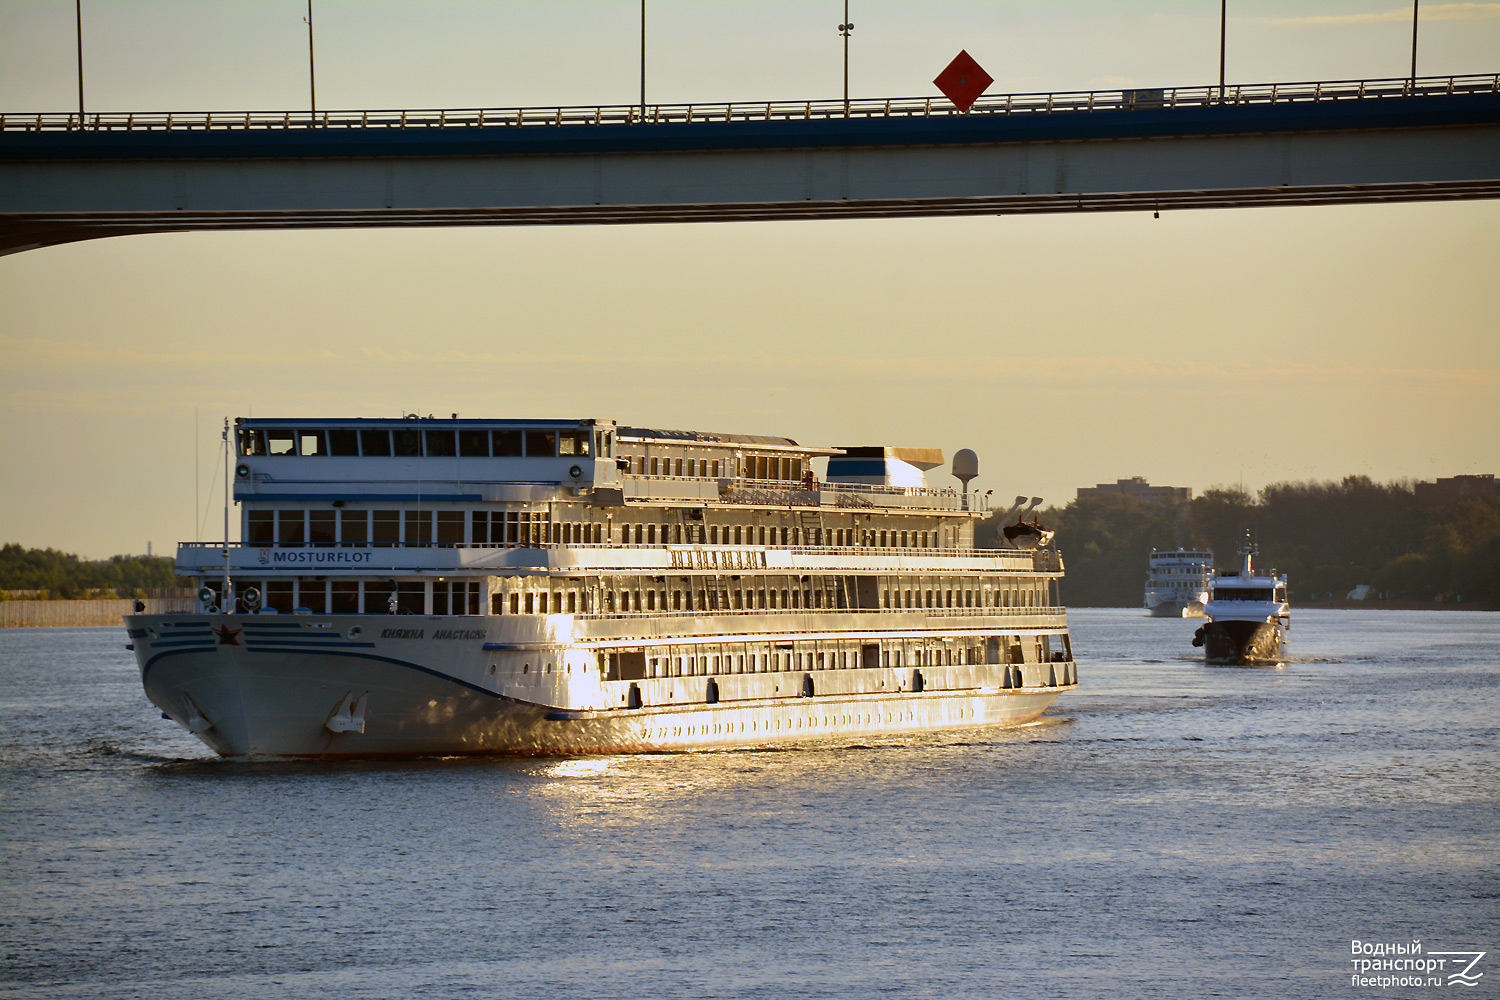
(684, 526)
(718, 598)
(810, 520)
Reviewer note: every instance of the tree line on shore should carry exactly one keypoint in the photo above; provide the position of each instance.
(1327, 537)
(47, 574)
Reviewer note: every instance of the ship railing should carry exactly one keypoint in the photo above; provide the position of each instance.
(751, 112)
(1047, 611)
(790, 487)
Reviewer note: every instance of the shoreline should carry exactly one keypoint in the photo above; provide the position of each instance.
(89, 613)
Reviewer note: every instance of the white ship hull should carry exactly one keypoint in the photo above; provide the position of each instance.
(280, 690)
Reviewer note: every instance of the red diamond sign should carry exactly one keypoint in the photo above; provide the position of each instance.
(963, 81)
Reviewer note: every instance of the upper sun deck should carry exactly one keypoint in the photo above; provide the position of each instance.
(1181, 556)
(431, 459)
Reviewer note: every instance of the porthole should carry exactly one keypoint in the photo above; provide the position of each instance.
(525, 668)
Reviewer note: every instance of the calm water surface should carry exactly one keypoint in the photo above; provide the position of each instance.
(1170, 830)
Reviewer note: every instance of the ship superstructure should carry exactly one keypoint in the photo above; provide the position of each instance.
(452, 585)
(1248, 615)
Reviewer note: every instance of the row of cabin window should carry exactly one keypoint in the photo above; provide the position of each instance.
(627, 601)
(740, 598)
(370, 597)
(755, 467)
(1010, 597)
(1190, 571)
(463, 597)
(414, 528)
(330, 526)
(414, 443)
(651, 663)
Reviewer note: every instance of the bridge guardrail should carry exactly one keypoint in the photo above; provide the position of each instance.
(1065, 102)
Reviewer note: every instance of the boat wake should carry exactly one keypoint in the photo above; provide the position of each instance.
(109, 751)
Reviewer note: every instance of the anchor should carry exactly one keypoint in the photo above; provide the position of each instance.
(348, 715)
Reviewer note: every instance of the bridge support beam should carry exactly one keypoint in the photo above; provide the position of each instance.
(57, 199)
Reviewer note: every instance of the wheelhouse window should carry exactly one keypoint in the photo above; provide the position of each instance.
(541, 444)
(506, 444)
(474, 444)
(313, 443)
(280, 442)
(375, 443)
(571, 443)
(441, 444)
(1242, 594)
(406, 444)
(252, 442)
(343, 443)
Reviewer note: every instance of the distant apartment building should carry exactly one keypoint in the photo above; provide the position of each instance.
(1457, 488)
(1136, 486)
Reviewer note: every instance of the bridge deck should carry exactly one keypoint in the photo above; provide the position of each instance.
(65, 177)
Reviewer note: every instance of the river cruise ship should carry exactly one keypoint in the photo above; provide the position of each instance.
(1177, 583)
(448, 586)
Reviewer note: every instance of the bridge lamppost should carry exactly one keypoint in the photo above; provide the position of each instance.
(844, 30)
(312, 76)
(1414, 5)
(643, 60)
(1223, 18)
(78, 11)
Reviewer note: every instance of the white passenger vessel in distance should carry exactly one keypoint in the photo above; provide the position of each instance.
(1177, 583)
(430, 586)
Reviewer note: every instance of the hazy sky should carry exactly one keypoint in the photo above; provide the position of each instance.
(1203, 348)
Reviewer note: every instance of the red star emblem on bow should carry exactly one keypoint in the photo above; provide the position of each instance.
(228, 636)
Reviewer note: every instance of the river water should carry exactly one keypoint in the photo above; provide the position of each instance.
(1169, 830)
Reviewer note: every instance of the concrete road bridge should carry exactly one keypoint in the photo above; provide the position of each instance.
(67, 177)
